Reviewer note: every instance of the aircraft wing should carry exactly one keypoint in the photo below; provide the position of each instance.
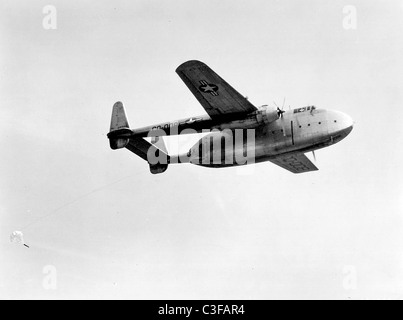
(296, 163)
(216, 96)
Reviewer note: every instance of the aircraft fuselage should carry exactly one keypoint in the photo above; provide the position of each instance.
(299, 130)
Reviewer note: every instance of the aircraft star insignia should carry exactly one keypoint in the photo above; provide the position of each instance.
(208, 88)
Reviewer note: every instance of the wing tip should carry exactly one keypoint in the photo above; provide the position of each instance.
(118, 104)
(189, 64)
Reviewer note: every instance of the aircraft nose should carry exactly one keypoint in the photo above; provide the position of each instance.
(345, 124)
(341, 125)
(348, 123)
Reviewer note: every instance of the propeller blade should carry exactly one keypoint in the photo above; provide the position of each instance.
(280, 111)
(314, 156)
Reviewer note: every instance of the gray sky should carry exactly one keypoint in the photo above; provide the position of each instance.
(107, 228)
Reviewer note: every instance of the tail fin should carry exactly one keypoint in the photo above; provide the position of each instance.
(119, 126)
(119, 119)
(120, 136)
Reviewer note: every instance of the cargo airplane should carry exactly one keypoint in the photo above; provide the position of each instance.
(267, 133)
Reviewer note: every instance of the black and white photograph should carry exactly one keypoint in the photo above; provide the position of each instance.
(205, 151)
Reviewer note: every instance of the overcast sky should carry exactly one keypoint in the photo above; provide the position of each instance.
(99, 225)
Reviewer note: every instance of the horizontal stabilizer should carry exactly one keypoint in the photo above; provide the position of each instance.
(156, 158)
(145, 150)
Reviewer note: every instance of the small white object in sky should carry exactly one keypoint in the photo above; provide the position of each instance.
(18, 237)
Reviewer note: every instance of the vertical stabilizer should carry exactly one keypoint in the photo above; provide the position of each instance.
(119, 119)
(119, 126)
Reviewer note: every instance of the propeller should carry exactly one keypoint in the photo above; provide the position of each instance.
(280, 112)
(314, 156)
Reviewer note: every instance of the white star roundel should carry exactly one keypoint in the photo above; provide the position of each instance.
(208, 88)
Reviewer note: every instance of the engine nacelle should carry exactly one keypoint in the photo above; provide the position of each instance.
(267, 114)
